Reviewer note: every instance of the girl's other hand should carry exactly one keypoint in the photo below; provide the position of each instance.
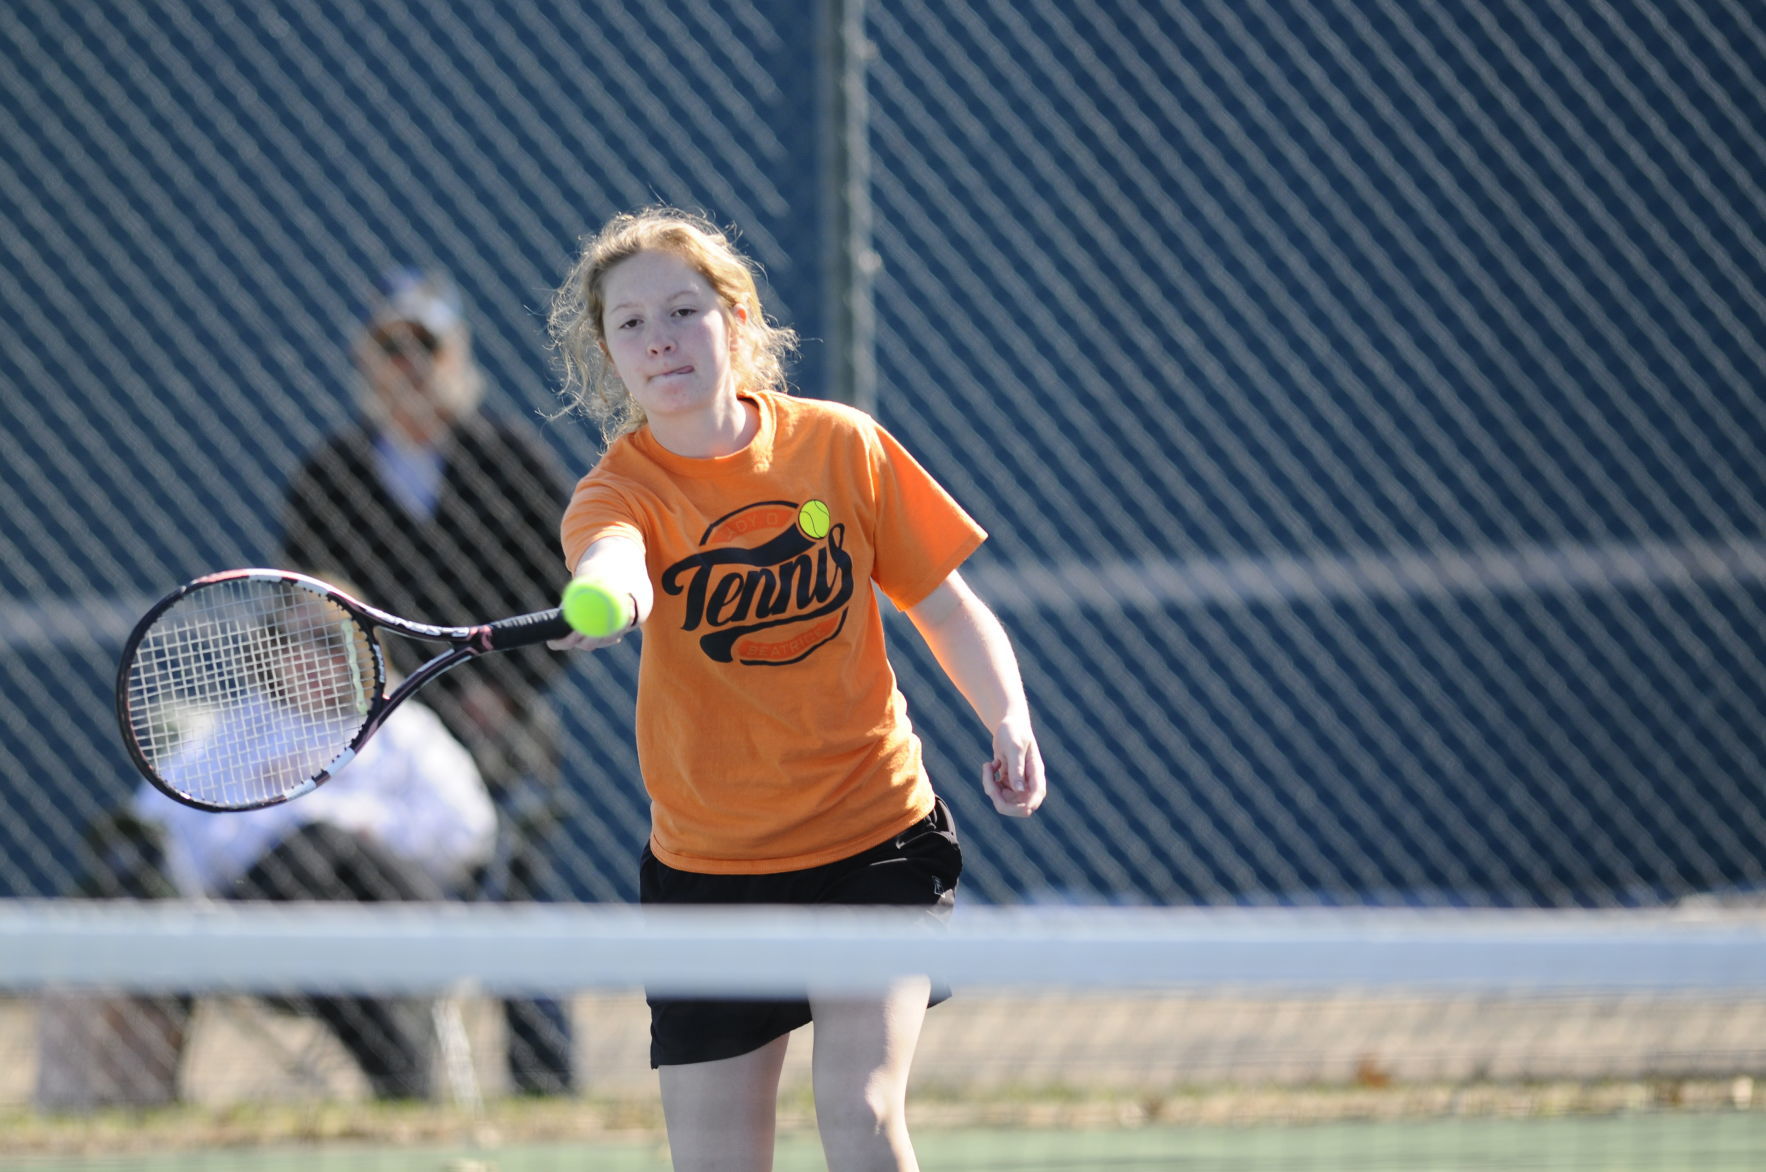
(1014, 779)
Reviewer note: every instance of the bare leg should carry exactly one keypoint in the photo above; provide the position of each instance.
(721, 1115)
(864, 1048)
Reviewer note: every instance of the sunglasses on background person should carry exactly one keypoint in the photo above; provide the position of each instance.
(407, 340)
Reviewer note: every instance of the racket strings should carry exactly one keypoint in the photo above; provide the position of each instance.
(245, 689)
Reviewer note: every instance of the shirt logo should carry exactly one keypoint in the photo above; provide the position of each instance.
(769, 584)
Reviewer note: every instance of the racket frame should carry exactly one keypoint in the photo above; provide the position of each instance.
(463, 643)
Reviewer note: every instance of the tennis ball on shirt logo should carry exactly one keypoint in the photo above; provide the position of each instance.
(593, 610)
(812, 518)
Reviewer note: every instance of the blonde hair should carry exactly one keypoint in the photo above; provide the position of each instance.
(591, 385)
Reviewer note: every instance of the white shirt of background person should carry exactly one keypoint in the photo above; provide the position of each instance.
(413, 789)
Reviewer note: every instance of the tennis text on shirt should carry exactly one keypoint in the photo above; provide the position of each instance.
(771, 603)
(771, 733)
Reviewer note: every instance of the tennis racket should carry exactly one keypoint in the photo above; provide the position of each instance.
(247, 688)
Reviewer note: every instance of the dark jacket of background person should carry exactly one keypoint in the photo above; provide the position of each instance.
(488, 551)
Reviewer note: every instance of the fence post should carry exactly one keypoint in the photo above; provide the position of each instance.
(851, 259)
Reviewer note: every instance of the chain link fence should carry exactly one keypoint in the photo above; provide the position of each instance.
(1363, 397)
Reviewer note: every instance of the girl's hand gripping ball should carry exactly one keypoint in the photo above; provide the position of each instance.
(593, 610)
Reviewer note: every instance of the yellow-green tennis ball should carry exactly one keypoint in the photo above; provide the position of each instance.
(593, 610)
(812, 518)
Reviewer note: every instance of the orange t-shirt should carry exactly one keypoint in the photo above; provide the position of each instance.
(771, 733)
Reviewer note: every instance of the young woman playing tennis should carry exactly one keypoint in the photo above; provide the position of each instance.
(743, 529)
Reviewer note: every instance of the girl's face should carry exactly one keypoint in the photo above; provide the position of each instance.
(668, 334)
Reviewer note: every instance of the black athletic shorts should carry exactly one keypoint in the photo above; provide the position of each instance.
(917, 868)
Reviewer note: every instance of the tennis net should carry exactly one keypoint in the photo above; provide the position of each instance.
(1078, 1037)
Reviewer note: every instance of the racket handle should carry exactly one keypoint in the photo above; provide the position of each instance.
(526, 629)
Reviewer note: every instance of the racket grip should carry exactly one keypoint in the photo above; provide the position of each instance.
(526, 629)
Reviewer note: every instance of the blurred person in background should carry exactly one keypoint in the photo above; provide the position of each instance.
(409, 818)
(435, 509)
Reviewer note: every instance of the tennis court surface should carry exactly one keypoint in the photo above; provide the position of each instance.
(1620, 1143)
